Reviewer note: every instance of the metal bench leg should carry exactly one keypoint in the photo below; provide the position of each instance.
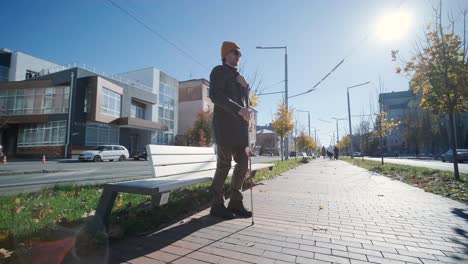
(105, 206)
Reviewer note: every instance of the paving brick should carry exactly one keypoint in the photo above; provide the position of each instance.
(188, 261)
(231, 261)
(145, 260)
(371, 252)
(298, 253)
(162, 256)
(379, 260)
(416, 254)
(187, 245)
(401, 257)
(330, 246)
(333, 259)
(205, 257)
(302, 260)
(180, 251)
(236, 255)
(451, 259)
(425, 250)
(315, 249)
(280, 256)
(346, 243)
(349, 255)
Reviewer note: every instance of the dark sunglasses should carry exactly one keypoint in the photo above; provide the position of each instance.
(237, 53)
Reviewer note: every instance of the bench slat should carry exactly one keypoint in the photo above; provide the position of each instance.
(172, 150)
(162, 171)
(161, 160)
(154, 186)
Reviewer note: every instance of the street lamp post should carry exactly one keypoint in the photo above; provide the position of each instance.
(285, 85)
(337, 119)
(349, 116)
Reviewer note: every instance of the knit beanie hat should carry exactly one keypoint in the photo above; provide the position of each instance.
(227, 47)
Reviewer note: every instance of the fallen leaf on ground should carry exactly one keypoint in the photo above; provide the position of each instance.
(92, 213)
(380, 195)
(250, 244)
(19, 209)
(5, 253)
(321, 207)
(319, 228)
(119, 201)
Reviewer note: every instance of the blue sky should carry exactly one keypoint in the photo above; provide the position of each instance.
(318, 35)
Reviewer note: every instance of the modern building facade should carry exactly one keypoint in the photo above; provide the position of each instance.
(34, 112)
(403, 106)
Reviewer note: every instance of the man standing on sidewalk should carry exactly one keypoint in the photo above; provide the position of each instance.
(230, 94)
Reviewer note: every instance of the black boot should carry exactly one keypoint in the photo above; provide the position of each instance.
(219, 210)
(238, 209)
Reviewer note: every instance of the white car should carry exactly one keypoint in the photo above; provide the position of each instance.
(105, 152)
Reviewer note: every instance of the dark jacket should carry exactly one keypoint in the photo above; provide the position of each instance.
(229, 127)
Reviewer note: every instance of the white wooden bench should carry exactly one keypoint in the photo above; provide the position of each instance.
(172, 168)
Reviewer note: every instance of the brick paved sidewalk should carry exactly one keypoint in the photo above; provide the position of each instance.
(322, 212)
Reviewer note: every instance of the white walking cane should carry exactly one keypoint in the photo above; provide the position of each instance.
(249, 154)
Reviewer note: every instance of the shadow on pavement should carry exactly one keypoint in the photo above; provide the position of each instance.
(140, 246)
(462, 213)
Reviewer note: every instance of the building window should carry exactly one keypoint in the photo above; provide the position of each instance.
(101, 134)
(163, 137)
(49, 100)
(48, 134)
(137, 110)
(4, 73)
(166, 114)
(111, 102)
(31, 74)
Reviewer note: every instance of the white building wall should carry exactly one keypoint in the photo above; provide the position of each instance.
(20, 62)
(143, 76)
(148, 77)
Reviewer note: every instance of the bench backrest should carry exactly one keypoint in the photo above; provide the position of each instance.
(175, 160)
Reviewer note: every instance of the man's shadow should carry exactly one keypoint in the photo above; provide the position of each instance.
(462, 213)
(140, 246)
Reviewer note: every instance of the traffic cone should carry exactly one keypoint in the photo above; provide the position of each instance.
(4, 161)
(43, 159)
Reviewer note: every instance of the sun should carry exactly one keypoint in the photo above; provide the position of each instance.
(393, 26)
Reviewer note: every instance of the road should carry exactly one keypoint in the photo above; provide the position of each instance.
(12, 179)
(433, 164)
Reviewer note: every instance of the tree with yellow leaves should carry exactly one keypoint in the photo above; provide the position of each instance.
(305, 143)
(283, 124)
(344, 143)
(384, 127)
(439, 70)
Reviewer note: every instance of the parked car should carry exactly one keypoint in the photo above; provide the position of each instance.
(292, 154)
(105, 152)
(462, 155)
(1, 151)
(357, 154)
(137, 155)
